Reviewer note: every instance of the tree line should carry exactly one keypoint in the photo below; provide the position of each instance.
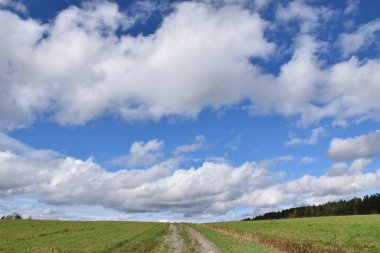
(366, 205)
(13, 216)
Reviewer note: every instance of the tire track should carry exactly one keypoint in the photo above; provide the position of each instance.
(175, 240)
(206, 246)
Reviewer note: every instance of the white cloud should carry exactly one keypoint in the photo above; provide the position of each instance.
(214, 188)
(275, 161)
(364, 36)
(311, 190)
(310, 88)
(309, 17)
(142, 10)
(7, 142)
(352, 7)
(307, 159)
(339, 169)
(18, 147)
(82, 69)
(352, 88)
(286, 158)
(259, 4)
(315, 136)
(78, 67)
(29, 206)
(345, 91)
(359, 164)
(14, 5)
(197, 145)
(140, 154)
(291, 92)
(160, 188)
(363, 146)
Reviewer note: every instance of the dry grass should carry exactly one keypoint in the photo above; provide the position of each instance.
(334, 234)
(277, 244)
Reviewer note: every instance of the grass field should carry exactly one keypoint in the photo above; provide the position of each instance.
(231, 244)
(72, 236)
(324, 234)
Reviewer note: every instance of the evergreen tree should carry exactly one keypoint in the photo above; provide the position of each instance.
(365, 205)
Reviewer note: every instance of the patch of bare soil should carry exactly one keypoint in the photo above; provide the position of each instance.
(175, 241)
(206, 246)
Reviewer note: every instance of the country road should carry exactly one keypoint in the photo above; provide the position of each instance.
(206, 246)
(175, 240)
(198, 242)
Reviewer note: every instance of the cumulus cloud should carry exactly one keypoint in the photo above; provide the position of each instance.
(82, 65)
(364, 36)
(140, 154)
(213, 188)
(291, 91)
(77, 67)
(28, 206)
(162, 187)
(195, 146)
(363, 146)
(14, 5)
(339, 169)
(315, 135)
(347, 90)
(354, 89)
(310, 190)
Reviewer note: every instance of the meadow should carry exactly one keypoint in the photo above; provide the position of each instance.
(75, 236)
(359, 233)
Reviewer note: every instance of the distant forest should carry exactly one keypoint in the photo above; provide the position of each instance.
(366, 205)
(14, 216)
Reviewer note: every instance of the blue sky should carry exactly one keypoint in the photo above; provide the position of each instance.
(195, 110)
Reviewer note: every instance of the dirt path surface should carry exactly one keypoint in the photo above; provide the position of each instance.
(175, 239)
(206, 246)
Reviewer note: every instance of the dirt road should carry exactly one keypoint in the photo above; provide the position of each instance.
(199, 243)
(206, 246)
(175, 240)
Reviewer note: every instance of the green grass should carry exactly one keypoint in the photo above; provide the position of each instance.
(71, 236)
(230, 244)
(322, 234)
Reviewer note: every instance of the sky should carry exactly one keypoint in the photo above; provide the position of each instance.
(204, 110)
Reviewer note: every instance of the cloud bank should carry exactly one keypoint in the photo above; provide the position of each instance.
(84, 64)
(212, 189)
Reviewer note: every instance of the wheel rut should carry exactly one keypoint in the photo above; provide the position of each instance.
(175, 240)
(192, 242)
(206, 246)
